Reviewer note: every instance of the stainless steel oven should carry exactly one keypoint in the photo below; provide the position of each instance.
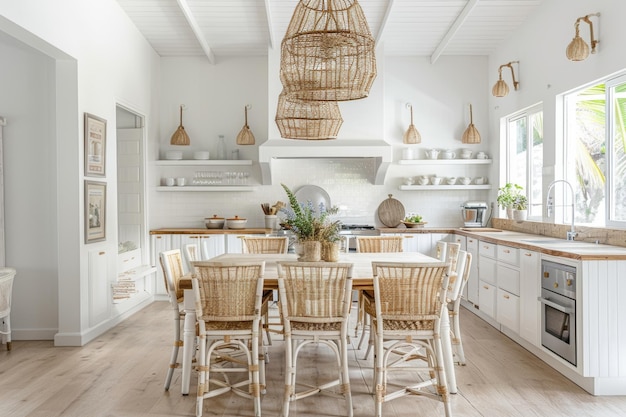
(558, 309)
(349, 232)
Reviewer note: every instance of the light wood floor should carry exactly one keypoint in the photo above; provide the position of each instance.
(121, 374)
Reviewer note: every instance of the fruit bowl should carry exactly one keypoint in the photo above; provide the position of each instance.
(413, 224)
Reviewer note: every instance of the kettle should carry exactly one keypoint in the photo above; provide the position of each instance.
(474, 213)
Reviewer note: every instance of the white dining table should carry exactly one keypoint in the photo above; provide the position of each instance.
(362, 279)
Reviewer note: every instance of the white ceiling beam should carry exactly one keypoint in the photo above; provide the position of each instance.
(462, 17)
(384, 22)
(270, 28)
(184, 7)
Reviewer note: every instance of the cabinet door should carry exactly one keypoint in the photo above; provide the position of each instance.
(507, 306)
(99, 287)
(487, 298)
(160, 243)
(508, 278)
(471, 288)
(529, 308)
(487, 270)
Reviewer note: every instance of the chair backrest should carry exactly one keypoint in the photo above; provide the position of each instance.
(172, 265)
(441, 250)
(458, 274)
(452, 254)
(190, 253)
(379, 243)
(6, 289)
(264, 244)
(315, 292)
(228, 291)
(410, 291)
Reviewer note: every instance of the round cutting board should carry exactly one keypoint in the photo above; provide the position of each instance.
(391, 212)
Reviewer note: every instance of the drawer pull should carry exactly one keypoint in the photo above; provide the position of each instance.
(528, 254)
(485, 287)
(194, 237)
(471, 240)
(506, 251)
(101, 253)
(506, 296)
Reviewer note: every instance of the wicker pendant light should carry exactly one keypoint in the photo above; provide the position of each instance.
(471, 134)
(180, 137)
(311, 120)
(411, 135)
(245, 136)
(328, 52)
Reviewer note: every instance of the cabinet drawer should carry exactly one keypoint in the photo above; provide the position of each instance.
(508, 279)
(472, 245)
(487, 270)
(508, 310)
(508, 254)
(487, 249)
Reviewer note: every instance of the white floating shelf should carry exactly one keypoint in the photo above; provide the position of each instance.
(444, 187)
(196, 188)
(203, 162)
(445, 161)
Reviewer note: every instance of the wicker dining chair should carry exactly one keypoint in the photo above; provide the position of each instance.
(315, 298)
(190, 254)
(6, 288)
(172, 265)
(441, 248)
(228, 309)
(455, 289)
(409, 300)
(372, 244)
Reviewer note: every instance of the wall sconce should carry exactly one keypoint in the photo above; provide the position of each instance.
(411, 135)
(578, 50)
(500, 88)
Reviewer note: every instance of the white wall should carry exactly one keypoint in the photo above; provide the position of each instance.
(98, 59)
(215, 96)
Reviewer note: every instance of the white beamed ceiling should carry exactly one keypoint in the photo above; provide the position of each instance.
(219, 28)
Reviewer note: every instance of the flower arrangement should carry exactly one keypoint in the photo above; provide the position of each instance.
(310, 223)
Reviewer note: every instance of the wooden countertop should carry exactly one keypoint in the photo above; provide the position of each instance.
(205, 231)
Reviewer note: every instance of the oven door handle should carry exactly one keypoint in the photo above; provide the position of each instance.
(557, 306)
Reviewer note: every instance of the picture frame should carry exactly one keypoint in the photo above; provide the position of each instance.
(95, 146)
(95, 211)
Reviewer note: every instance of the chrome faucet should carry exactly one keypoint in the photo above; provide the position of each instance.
(549, 205)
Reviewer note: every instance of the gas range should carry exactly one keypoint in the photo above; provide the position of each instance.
(358, 230)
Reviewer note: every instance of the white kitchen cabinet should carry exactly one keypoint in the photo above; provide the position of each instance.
(487, 298)
(99, 287)
(159, 243)
(471, 288)
(507, 310)
(487, 278)
(529, 291)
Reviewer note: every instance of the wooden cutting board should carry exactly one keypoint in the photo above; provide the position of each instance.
(391, 212)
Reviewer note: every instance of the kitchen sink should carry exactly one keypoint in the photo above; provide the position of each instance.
(546, 241)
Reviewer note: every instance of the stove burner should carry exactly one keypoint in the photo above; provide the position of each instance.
(357, 227)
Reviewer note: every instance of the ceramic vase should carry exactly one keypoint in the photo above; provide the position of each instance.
(520, 215)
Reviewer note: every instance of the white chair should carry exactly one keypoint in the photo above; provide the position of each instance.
(228, 309)
(409, 300)
(315, 298)
(172, 265)
(452, 254)
(6, 290)
(441, 250)
(190, 253)
(455, 289)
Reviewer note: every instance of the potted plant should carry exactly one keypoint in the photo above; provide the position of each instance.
(520, 207)
(507, 195)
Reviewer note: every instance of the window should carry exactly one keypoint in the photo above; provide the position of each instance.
(524, 154)
(595, 141)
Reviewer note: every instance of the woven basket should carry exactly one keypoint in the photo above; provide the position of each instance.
(312, 120)
(328, 52)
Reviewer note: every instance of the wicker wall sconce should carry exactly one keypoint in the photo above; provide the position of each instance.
(578, 49)
(309, 120)
(411, 135)
(500, 88)
(245, 136)
(180, 137)
(328, 52)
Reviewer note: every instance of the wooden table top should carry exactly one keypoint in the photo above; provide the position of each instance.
(361, 272)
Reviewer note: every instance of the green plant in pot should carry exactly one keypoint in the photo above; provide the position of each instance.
(520, 207)
(507, 196)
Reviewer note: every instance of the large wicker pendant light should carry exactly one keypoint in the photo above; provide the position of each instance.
(311, 120)
(180, 137)
(245, 136)
(411, 135)
(328, 52)
(471, 134)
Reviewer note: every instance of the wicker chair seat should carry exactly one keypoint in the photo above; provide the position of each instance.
(226, 325)
(315, 327)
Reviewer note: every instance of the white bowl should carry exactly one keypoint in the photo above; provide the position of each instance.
(436, 180)
(451, 180)
(214, 222)
(236, 223)
(201, 155)
(465, 180)
(173, 155)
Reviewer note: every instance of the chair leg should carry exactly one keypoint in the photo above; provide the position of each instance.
(290, 376)
(345, 375)
(457, 342)
(174, 356)
(442, 385)
(202, 375)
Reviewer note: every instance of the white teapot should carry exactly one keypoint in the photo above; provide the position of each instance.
(432, 153)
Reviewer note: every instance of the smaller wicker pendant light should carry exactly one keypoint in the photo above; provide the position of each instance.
(180, 137)
(471, 134)
(411, 135)
(245, 136)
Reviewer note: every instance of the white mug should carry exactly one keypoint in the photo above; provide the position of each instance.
(482, 155)
(169, 181)
(436, 180)
(480, 180)
(448, 154)
(451, 180)
(424, 180)
(466, 153)
(180, 181)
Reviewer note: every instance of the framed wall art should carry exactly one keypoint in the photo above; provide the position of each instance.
(95, 211)
(95, 146)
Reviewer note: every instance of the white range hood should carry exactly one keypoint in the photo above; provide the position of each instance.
(274, 149)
